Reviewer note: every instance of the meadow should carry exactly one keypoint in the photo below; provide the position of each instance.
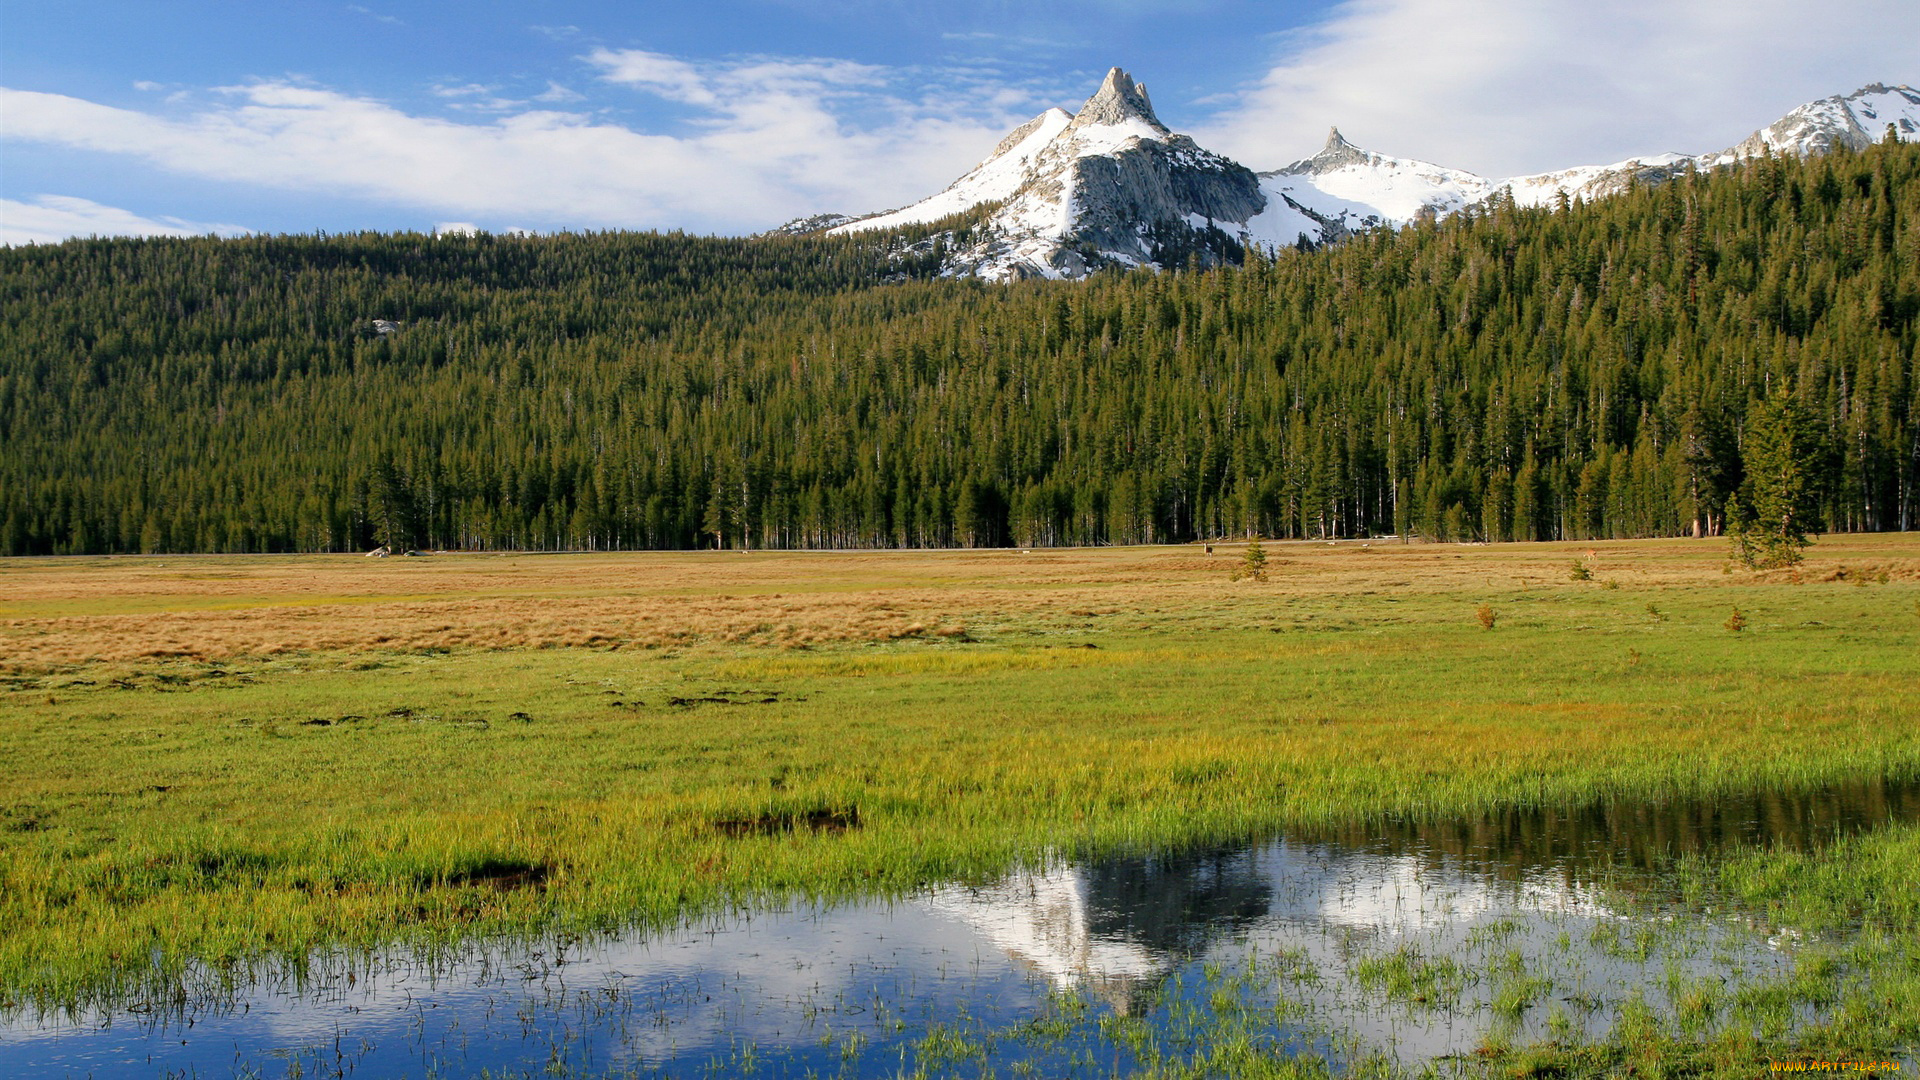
(208, 764)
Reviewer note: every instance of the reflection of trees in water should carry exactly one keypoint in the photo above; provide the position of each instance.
(1622, 835)
(1172, 906)
(1175, 904)
(1118, 927)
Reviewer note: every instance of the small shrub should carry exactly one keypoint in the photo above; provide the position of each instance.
(1883, 576)
(1486, 615)
(1580, 571)
(1609, 584)
(1737, 621)
(1655, 613)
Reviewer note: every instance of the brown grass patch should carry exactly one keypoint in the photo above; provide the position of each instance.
(55, 613)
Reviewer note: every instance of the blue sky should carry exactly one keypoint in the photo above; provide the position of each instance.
(296, 115)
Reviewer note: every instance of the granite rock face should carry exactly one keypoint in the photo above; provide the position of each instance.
(1111, 185)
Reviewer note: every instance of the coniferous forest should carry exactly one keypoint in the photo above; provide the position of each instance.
(1585, 371)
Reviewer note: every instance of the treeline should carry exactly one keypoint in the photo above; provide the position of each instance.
(1514, 374)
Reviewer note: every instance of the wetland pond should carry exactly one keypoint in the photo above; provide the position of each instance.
(1416, 941)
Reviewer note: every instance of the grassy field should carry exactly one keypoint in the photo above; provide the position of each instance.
(207, 762)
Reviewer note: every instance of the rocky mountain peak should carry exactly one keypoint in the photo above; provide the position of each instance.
(1118, 100)
(1856, 121)
(1338, 153)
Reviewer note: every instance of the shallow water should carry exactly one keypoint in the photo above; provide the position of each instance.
(1417, 940)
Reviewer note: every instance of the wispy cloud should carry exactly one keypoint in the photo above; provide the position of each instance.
(555, 94)
(391, 20)
(768, 138)
(1513, 86)
(49, 219)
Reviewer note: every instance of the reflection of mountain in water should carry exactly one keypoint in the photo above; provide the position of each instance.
(1116, 928)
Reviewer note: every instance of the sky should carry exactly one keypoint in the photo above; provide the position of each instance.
(124, 117)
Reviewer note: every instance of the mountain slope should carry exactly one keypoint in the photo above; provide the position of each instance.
(1111, 185)
(1855, 121)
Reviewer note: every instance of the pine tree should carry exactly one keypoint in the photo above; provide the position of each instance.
(1781, 498)
(1253, 562)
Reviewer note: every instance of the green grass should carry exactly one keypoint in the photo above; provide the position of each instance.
(166, 824)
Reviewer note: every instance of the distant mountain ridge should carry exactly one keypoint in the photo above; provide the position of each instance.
(1064, 195)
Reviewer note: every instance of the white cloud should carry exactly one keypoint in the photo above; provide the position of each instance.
(49, 219)
(1513, 86)
(770, 138)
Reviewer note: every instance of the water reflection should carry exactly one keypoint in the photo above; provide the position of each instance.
(1115, 928)
(1414, 938)
(1635, 835)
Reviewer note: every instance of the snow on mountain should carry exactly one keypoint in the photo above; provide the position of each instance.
(1589, 182)
(1343, 188)
(1856, 121)
(1393, 189)
(1108, 185)
(1111, 185)
(994, 180)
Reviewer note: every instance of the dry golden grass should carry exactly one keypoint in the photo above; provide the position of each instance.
(56, 613)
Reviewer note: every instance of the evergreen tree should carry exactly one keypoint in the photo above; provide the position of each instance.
(1780, 499)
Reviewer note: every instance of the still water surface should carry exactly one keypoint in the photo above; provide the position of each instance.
(1416, 940)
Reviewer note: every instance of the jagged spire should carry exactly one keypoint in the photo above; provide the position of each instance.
(1335, 140)
(1119, 99)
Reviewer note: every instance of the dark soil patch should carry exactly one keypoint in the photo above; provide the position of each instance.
(503, 875)
(818, 821)
(732, 697)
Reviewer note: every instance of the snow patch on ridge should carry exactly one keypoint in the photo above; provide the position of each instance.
(994, 180)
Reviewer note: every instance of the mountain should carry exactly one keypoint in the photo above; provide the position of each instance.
(1343, 185)
(1066, 194)
(1855, 121)
(1108, 185)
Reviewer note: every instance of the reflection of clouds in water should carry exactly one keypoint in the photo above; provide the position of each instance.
(776, 979)
(1396, 894)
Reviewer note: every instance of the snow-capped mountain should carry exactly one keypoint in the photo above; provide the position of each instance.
(1352, 186)
(1856, 121)
(1111, 184)
(1343, 187)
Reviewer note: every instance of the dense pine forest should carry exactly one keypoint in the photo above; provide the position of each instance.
(1577, 372)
